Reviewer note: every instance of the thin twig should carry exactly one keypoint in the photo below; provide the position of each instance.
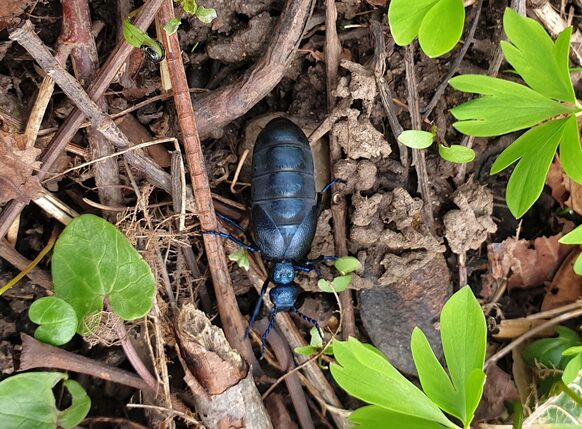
(339, 205)
(232, 320)
(418, 155)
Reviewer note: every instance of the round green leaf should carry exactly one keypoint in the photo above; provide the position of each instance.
(241, 257)
(416, 139)
(57, 318)
(578, 265)
(572, 369)
(405, 17)
(338, 284)
(347, 264)
(442, 27)
(457, 154)
(81, 404)
(93, 261)
(316, 340)
(172, 25)
(305, 350)
(206, 14)
(27, 400)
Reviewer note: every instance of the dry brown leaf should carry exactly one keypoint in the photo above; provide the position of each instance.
(525, 263)
(564, 190)
(11, 9)
(499, 388)
(16, 169)
(566, 286)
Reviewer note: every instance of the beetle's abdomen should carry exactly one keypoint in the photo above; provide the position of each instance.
(283, 190)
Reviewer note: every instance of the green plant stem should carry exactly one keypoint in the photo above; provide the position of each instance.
(575, 397)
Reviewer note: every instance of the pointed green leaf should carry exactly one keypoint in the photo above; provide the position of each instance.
(367, 375)
(442, 27)
(570, 150)
(529, 177)
(81, 404)
(305, 350)
(57, 320)
(405, 17)
(573, 237)
(571, 351)
(416, 139)
(572, 369)
(489, 115)
(347, 264)
(27, 400)
(373, 417)
(548, 351)
(464, 338)
(533, 55)
(93, 261)
(473, 393)
(435, 382)
(456, 153)
(578, 265)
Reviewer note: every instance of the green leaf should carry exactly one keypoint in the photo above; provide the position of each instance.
(464, 338)
(537, 147)
(572, 369)
(172, 25)
(373, 417)
(338, 284)
(305, 350)
(473, 393)
(27, 400)
(241, 257)
(548, 351)
(137, 38)
(57, 318)
(504, 107)
(435, 382)
(347, 264)
(437, 23)
(93, 261)
(573, 237)
(366, 374)
(442, 27)
(189, 6)
(206, 14)
(571, 351)
(570, 151)
(81, 404)
(578, 265)
(542, 64)
(416, 139)
(456, 153)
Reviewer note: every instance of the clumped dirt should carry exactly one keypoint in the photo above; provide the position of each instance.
(411, 262)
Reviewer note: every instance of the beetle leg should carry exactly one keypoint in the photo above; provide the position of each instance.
(307, 319)
(269, 328)
(230, 222)
(330, 184)
(257, 308)
(231, 238)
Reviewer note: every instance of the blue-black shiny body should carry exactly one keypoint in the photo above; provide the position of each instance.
(284, 203)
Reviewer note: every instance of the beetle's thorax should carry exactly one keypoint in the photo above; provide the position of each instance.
(283, 273)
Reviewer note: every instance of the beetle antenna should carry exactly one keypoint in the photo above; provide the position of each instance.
(308, 319)
(268, 330)
(257, 307)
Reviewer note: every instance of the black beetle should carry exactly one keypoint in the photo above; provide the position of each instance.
(284, 211)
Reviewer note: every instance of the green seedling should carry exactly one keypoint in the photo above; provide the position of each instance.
(417, 139)
(344, 265)
(315, 346)
(546, 103)
(139, 39)
(93, 262)
(241, 257)
(563, 352)
(365, 373)
(575, 237)
(437, 23)
(205, 14)
(27, 401)
(57, 319)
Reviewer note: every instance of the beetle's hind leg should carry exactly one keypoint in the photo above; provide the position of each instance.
(231, 238)
(268, 330)
(257, 308)
(231, 222)
(307, 319)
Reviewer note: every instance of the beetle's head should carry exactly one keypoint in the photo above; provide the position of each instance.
(283, 273)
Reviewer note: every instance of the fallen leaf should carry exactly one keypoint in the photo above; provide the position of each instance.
(524, 263)
(566, 286)
(564, 190)
(11, 9)
(16, 169)
(499, 388)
